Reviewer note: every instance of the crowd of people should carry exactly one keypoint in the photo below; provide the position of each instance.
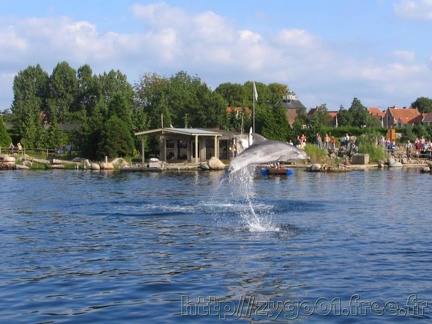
(12, 148)
(329, 143)
(420, 148)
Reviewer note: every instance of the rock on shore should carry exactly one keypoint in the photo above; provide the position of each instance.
(213, 164)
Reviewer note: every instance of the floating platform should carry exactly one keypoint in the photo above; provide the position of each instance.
(276, 171)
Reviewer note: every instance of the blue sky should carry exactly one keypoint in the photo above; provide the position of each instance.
(327, 51)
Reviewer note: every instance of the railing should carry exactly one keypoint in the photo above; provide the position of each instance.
(41, 152)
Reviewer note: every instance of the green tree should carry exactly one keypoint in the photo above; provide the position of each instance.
(300, 122)
(344, 117)
(116, 139)
(271, 119)
(63, 88)
(7, 115)
(408, 134)
(88, 95)
(5, 138)
(30, 93)
(115, 82)
(183, 101)
(320, 119)
(278, 91)
(233, 94)
(264, 105)
(421, 131)
(120, 107)
(423, 104)
(151, 102)
(113, 97)
(273, 122)
(213, 108)
(359, 114)
(54, 137)
(90, 135)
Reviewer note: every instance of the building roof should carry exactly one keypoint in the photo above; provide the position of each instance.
(404, 115)
(312, 111)
(293, 104)
(237, 109)
(427, 118)
(182, 131)
(376, 112)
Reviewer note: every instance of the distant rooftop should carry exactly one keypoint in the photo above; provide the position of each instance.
(183, 131)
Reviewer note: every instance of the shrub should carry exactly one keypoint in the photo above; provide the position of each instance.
(367, 144)
(316, 153)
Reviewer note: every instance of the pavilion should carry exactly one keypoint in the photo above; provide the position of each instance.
(191, 144)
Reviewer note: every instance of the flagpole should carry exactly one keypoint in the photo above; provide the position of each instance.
(253, 115)
(255, 97)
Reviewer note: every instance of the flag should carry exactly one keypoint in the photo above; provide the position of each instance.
(336, 122)
(255, 93)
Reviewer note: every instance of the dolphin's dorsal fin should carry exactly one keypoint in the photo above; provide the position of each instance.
(257, 138)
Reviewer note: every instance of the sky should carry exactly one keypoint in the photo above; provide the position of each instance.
(326, 51)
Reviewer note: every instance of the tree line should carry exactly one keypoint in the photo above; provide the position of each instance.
(105, 110)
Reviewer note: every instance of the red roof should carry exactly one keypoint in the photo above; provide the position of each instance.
(376, 112)
(237, 109)
(405, 115)
(333, 114)
(427, 118)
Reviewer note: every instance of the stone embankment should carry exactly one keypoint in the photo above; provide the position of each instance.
(402, 161)
(358, 162)
(25, 162)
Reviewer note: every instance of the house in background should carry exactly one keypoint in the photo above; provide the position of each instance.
(377, 113)
(399, 117)
(293, 106)
(333, 115)
(427, 119)
(334, 118)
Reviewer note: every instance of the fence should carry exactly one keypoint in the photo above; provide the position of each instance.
(40, 152)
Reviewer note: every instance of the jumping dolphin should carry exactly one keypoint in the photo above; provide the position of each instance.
(266, 151)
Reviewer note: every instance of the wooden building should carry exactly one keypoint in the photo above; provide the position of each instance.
(189, 144)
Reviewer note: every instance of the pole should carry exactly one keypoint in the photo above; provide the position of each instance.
(255, 97)
(253, 118)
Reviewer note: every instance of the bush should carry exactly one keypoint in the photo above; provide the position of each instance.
(316, 153)
(367, 144)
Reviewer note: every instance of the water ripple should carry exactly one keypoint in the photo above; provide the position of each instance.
(110, 247)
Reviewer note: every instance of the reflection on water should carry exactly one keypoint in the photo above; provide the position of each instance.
(184, 246)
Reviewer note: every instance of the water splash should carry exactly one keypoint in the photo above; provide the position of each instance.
(241, 183)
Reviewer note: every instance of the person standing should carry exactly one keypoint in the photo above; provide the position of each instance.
(333, 143)
(326, 141)
(11, 148)
(318, 140)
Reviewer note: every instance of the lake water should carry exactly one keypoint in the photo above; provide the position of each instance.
(79, 246)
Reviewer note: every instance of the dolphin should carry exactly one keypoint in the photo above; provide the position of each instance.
(266, 151)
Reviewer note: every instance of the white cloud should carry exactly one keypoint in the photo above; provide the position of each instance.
(212, 47)
(414, 9)
(11, 43)
(296, 38)
(210, 27)
(407, 56)
(160, 15)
